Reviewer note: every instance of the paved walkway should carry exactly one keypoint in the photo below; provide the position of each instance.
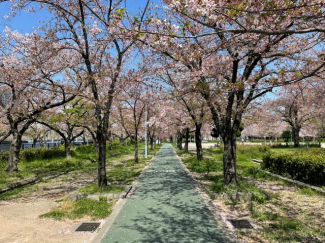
(165, 208)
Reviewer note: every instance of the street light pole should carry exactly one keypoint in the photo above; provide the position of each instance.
(146, 134)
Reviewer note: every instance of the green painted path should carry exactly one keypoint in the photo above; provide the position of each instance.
(165, 208)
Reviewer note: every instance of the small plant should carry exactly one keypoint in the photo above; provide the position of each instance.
(102, 198)
(260, 198)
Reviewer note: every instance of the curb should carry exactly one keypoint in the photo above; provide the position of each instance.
(299, 183)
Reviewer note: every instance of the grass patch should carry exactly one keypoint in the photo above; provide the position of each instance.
(121, 174)
(81, 208)
(58, 164)
(9, 194)
(16, 192)
(206, 165)
(268, 207)
(310, 192)
(94, 188)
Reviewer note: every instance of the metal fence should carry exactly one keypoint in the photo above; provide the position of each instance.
(5, 146)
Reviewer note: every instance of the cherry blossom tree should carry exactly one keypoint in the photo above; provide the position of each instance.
(300, 105)
(38, 133)
(32, 79)
(94, 30)
(261, 120)
(236, 53)
(135, 103)
(65, 121)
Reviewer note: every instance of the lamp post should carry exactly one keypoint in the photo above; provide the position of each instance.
(146, 134)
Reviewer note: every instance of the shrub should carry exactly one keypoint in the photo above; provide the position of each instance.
(85, 149)
(41, 153)
(4, 156)
(204, 166)
(280, 145)
(307, 167)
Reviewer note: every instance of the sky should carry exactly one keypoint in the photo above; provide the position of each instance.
(25, 22)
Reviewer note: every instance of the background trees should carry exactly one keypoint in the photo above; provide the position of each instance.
(33, 80)
(66, 121)
(194, 57)
(246, 59)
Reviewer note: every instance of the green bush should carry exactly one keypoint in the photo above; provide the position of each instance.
(204, 166)
(307, 167)
(41, 153)
(280, 145)
(4, 156)
(86, 149)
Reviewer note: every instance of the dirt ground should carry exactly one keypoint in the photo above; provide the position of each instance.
(20, 223)
(310, 210)
(19, 216)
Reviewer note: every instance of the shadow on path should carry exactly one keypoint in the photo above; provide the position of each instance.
(165, 208)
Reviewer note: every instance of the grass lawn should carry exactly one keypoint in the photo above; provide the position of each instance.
(285, 212)
(119, 169)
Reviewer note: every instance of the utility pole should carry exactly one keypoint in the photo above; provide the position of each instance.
(146, 134)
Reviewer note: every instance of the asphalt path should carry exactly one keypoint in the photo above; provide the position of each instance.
(165, 207)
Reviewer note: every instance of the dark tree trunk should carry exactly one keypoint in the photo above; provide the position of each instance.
(15, 147)
(296, 131)
(34, 143)
(101, 143)
(187, 136)
(151, 142)
(179, 140)
(67, 148)
(121, 140)
(110, 140)
(229, 159)
(228, 133)
(198, 142)
(136, 147)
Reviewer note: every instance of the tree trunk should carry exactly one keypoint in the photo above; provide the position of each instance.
(34, 143)
(42, 142)
(15, 147)
(187, 135)
(229, 159)
(296, 131)
(101, 143)
(110, 140)
(198, 142)
(67, 148)
(151, 142)
(121, 139)
(136, 149)
(179, 140)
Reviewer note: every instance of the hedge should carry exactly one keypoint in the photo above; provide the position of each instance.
(306, 167)
(41, 153)
(33, 154)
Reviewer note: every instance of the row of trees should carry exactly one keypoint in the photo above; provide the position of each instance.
(206, 61)
(298, 108)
